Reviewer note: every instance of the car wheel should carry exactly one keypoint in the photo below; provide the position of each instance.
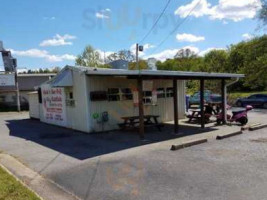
(243, 120)
(265, 105)
(239, 104)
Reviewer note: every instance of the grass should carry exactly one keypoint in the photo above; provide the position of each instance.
(11, 189)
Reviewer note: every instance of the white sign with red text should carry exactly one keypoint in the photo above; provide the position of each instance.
(54, 105)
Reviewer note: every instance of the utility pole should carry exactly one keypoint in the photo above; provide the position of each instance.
(104, 57)
(137, 59)
(17, 90)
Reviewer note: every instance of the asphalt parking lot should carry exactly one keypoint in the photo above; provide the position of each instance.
(102, 167)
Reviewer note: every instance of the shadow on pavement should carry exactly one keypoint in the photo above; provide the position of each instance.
(83, 146)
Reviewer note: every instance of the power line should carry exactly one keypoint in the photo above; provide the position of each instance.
(175, 29)
(154, 25)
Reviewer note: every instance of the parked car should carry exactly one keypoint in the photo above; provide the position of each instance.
(208, 97)
(255, 100)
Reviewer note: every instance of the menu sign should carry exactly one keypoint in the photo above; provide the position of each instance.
(54, 105)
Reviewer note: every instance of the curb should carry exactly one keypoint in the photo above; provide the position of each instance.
(223, 136)
(260, 126)
(247, 127)
(43, 188)
(188, 144)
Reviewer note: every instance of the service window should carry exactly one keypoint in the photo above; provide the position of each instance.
(126, 94)
(113, 94)
(169, 92)
(161, 93)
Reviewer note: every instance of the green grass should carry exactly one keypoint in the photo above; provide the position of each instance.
(11, 189)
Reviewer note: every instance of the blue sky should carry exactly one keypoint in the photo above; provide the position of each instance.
(52, 32)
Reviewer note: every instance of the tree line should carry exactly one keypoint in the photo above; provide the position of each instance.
(248, 57)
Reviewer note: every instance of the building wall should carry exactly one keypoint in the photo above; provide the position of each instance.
(8, 99)
(80, 115)
(34, 105)
(77, 115)
(118, 109)
(27, 83)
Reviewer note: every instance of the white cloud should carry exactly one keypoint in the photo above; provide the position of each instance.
(36, 53)
(170, 53)
(235, 10)
(198, 8)
(247, 36)
(204, 52)
(184, 37)
(104, 54)
(103, 14)
(58, 40)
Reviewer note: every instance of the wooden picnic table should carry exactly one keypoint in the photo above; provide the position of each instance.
(133, 122)
(196, 114)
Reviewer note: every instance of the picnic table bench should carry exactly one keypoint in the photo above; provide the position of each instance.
(196, 114)
(132, 122)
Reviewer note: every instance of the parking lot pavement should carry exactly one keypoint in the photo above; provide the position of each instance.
(93, 167)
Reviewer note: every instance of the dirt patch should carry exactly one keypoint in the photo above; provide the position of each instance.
(259, 140)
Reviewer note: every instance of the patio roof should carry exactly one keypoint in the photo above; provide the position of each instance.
(155, 73)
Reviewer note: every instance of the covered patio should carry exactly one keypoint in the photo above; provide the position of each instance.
(143, 75)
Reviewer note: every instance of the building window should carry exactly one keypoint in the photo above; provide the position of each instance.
(147, 97)
(126, 94)
(161, 93)
(98, 96)
(113, 94)
(71, 95)
(169, 92)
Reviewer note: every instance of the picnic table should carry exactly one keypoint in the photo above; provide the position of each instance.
(132, 122)
(196, 114)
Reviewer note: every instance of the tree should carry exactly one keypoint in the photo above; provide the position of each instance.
(250, 58)
(185, 53)
(89, 57)
(263, 13)
(142, 65)
(121, 55)
(216, 61)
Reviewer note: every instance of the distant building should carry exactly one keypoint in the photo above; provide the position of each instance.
(27, 83)
(119, 64)
(151, 62)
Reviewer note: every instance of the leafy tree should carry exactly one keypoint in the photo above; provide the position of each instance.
(89, 57)
(121, 55)
(263, 13)
(104, 66)
(142, 65)
(185, 53)
(216, 61)
(250, 58)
